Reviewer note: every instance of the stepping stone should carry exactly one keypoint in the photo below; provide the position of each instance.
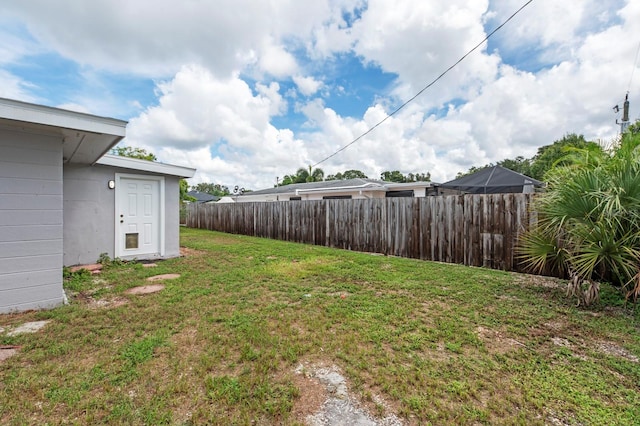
(145, 289)
(149, 265)
(163, 277)
(28, 327)
(7, 352)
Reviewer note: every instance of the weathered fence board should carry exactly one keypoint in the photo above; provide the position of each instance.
(474, 230)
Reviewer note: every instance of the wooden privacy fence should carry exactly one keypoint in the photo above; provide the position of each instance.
(474, 230)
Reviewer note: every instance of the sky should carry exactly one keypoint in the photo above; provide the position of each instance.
(248, 91)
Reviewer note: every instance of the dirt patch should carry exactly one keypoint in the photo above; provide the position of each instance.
(540, 281)
(28, 327)
(93, 268)
(106, 303)
(187, 252)
(325, 400)
(145, 289)
(312, 395)
(561, 341)
(496, 342)
(163, 277)
(611, 348)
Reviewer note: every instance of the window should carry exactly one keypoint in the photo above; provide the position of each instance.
(408, 193)
(336, 197)
(131, 241)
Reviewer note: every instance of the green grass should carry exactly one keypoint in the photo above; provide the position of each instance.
(440, 344)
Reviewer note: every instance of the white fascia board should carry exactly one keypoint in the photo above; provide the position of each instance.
(409, 185)
(369, 187)
(56, 117)
(146, 166)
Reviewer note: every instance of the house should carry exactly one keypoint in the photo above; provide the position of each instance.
(64, 201)
(493, 180)
(340, 189)
(202, 197)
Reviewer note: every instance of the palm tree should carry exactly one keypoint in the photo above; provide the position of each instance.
(589, 221)
(309, 175)
(304, 175)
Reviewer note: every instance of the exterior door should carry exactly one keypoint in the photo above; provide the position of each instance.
(138, 215)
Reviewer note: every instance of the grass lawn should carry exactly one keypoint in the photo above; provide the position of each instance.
(429, 342)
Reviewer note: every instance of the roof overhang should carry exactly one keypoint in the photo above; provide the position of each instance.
(146, 166)
(85, 137)
(409, 185)
(368, 187)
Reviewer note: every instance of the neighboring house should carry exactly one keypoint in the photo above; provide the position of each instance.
(340, 189)
(64, 202)
(493, 180)
(202, 197)
(226, 199)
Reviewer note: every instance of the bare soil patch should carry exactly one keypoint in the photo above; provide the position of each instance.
(325, 400)
(496, 342)
(187, 252)
(540, 281)
(145, 289)
(106, 303)
(611, 348)
(28, 327)
(91, 267)
(163, 277)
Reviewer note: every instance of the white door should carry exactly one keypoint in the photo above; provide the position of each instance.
(138, 217)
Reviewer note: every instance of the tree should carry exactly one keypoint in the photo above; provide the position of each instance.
(184, 188)
(418, 177)
(589, 220)
(304, 175)
(472, 170)
(139, 153)
(543, 161)
(348, 174)
(212, 189)
(396, 176)
(548, 155)
(519, 164)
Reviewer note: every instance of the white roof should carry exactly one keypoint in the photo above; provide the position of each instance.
(146, 166)
(85, 137)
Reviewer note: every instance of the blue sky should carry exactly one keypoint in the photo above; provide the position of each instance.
(245, 90)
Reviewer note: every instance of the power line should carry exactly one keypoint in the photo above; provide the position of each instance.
(394, 112)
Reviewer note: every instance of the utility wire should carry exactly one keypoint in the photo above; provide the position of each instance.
(394, 112)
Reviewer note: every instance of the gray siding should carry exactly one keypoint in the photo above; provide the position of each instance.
(88, 214)
(31, 228)
(89, 208)
(172, 216)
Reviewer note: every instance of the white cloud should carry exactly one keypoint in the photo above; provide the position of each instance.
(13, 87)
(156, 38)
(275, 60)
(307, 85)
(219, 126)
(224, 71)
